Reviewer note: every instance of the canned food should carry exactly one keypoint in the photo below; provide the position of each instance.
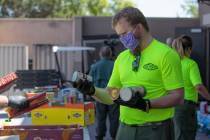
(81, 76)
(127, 93)
(113, 92)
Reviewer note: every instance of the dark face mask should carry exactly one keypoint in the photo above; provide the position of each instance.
(129, 41)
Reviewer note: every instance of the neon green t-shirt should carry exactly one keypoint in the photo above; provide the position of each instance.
(159, 71)
(191, 77)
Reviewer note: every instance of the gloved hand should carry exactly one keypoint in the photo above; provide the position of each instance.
(84, 86)
(18, 102)
(136, 102)
(83, 83)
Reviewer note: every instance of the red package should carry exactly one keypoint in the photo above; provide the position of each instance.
(7, 80)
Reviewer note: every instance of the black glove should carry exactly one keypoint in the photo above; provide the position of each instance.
(84, 86)
(136, 102)
(18, 102)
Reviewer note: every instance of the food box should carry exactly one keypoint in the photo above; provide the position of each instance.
(68, 114)
(58, 132)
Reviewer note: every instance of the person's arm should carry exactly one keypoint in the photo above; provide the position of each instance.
(175, 97)
(17, 102)
(201, 89)
(195, 78)
(172, 81)
(3, 101)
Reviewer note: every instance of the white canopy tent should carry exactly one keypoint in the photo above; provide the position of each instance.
(72, 48)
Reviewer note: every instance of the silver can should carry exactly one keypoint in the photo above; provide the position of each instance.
(81, 76)
(127, 93)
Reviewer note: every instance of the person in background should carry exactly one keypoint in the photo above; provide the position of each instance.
(185, 119)
(101, 72)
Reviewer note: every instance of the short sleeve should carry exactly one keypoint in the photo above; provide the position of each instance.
(171, 71)
(195, 77)
(114, 80)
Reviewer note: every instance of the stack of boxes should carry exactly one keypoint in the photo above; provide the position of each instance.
(66, 108)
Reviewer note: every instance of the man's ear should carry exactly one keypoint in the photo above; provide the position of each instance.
(190, 50)
(140, 27)
(139, 30)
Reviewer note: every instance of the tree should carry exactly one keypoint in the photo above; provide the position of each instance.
(60, 8)
(27, 8)
(106, 7)
(116, 5)
(97, 7)
(190, 8)
(69, 8)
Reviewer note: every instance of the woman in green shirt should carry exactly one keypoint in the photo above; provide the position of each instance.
(185, 118)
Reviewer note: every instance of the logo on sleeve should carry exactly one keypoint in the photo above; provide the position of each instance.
(150, 66)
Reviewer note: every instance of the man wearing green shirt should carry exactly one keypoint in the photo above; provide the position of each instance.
(146, 63)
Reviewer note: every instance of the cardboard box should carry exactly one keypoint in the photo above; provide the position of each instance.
(44, 132)
(70, 114)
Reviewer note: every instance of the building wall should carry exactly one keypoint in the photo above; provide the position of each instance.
(45, 32)
(53, 31)
(35, 31)
(97, 26)
(203, 9)
(161, 28)
(204, 13)
(13, 57)
(31, 31)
